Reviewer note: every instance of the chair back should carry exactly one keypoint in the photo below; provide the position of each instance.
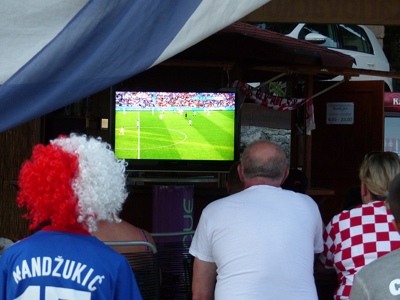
(145, 266)
(176, 264)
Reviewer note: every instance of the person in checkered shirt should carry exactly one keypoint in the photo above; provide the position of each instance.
(356, 237)
(380, 280)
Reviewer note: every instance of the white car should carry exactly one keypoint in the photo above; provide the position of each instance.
(355, 40)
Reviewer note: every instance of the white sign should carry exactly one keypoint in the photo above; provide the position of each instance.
(340, 113)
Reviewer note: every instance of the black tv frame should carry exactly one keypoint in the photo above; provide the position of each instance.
(168, 165)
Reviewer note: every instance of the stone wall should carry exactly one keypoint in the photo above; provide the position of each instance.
(250, 134)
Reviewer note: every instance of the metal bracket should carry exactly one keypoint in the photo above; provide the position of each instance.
(328, 88)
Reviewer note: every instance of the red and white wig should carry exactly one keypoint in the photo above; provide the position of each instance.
(73, 181)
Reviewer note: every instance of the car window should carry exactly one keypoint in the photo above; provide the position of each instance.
(355, 38)
(326, 30)
(282, 28)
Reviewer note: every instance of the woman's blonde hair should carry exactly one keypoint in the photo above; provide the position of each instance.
(377, 172)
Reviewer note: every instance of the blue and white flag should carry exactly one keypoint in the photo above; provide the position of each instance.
(56, 52)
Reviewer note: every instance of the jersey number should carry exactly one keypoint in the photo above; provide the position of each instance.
(53, 293)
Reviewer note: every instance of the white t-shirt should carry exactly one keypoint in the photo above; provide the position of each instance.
(263, 242)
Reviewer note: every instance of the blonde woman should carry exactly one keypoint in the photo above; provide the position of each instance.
(356, 237)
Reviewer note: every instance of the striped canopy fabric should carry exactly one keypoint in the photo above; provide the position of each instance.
(56, 52)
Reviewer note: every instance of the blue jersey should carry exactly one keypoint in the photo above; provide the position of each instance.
(62, 265)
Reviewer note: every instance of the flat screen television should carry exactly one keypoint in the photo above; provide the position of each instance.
(176, 130)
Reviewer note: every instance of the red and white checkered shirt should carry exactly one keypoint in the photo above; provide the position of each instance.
(356, 237)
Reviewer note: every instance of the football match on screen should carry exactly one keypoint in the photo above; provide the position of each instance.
(174, 125)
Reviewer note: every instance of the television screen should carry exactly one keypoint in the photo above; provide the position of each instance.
(176, 131)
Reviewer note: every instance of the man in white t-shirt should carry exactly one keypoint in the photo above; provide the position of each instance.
(258, 243)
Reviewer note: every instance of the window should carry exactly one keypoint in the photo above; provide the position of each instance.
(355, 39)
(392, 134)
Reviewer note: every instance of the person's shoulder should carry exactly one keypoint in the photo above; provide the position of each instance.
(5, 242)
(361, 210)
(354, 212)
(299, 198)
(11, 247)
(147, 236)
(24, 242)
(393, 255)
(221, 202)
(297, 194)
(389, 260)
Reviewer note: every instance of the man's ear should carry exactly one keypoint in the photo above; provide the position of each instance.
(240, 172)
(285, 176)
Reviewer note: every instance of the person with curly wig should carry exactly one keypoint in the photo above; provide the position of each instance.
(356, 237)
(66, 188)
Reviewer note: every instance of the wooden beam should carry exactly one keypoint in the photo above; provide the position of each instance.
(288, 69)
(351, 72)
(197, 63)
(365, 12)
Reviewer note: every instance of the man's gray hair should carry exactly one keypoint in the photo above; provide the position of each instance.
(272, 166)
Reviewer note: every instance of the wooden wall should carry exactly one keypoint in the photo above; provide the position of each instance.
(338, 149)
(17, 145)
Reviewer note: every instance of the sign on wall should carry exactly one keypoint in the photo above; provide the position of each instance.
(340, 113)
(392, 101)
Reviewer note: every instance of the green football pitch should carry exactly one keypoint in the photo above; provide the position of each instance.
(169, 135)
